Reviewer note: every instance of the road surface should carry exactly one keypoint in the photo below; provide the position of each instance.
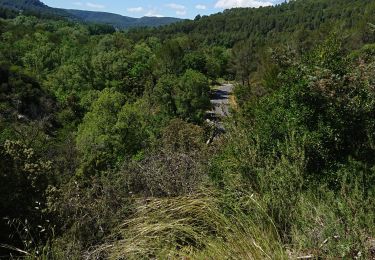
(220, 101)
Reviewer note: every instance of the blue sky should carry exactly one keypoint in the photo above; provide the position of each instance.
(173, 8)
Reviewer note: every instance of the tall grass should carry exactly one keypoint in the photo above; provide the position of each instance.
(202, 226)
(311, 218)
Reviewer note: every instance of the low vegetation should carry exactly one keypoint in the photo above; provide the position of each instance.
(104, 152)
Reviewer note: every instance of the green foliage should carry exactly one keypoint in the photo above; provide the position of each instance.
(96, 140)
(339, 224)
(329, 107)
(186, 97)
(195, 61)
(21, 94)
(242, 61)
(102, 22)
(192, 96)
(113, 137)
(217, 61)
(24, 177)
(133, 128)
(170, 54)
(7, 13)
(300, 20)
(111, 131)
(164, 94)
(99, 29)
(306, 148)
(330, 55)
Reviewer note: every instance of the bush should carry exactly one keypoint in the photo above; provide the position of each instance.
(175, 168)
(306, 151)
(86, 212)
(332, 107)
(24, 178)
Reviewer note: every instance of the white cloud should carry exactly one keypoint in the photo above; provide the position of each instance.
(180, 9)
(153, 13)
(135, 9)
(181, 12)
(78, 3)
(95, 6)
(201, 7)
(176, 6)
(241, 3)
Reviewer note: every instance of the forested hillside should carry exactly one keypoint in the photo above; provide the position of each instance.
(301, 21)
(103, 136)
(37, 8)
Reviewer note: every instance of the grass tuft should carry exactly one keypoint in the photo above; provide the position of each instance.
(201, 226)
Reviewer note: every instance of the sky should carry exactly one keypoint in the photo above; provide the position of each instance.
(162, 8)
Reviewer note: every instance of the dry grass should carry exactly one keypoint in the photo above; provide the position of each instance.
(196, 227)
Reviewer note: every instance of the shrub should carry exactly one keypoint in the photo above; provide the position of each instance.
(176, 167)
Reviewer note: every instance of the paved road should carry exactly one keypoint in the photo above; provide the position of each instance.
(220, 101)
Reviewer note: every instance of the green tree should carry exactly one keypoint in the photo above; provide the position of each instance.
(96, 138)
(164, 94)
(192, 96)
(217, 60)
(140, 72)
(195, 61)
(170, 56)
(243, 61)
(111, 70)
(132, 128)
(40, 58)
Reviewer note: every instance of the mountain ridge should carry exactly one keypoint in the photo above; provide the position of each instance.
(116, 20)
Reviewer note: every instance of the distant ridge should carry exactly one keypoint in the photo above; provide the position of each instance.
(121, 21)
(118, 21)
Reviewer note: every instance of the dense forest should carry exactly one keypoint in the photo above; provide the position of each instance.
(103, 136)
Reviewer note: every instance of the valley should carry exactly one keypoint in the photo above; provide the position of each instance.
(244, 134)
